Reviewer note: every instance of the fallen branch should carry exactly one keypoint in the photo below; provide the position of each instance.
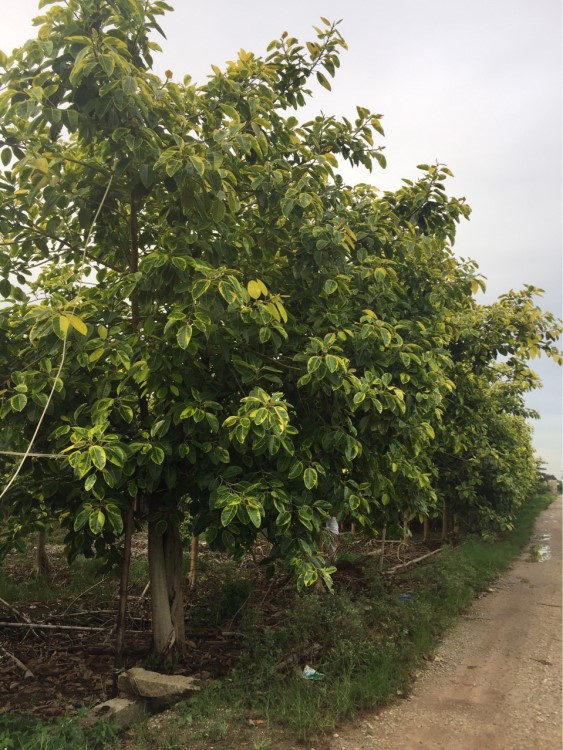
(50, 626)
(47, 626)
(27, 673)
(145, 591)
(17, 613)
(20, 615)
(412, 562)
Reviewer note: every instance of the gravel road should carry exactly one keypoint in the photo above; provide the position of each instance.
(495, 683)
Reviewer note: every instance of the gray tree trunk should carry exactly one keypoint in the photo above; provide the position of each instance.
(165, 575)
(41, 565)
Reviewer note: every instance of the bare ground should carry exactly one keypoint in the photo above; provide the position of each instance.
(495, 683)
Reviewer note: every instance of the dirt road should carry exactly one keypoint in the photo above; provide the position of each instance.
(496, 681)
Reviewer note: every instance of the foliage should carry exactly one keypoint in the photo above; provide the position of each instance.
(211, 324)
(29, 733)
(367, 643)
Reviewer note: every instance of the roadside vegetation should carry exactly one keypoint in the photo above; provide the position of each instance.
(208, 337)
(368, 639)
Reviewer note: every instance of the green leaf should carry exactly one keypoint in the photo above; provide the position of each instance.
(108, 64)
(146, 174)
(96, 521)
(331, 362)
(227, 292)
(115, 518)
(157, 455)
(18, 402)
(218, 210)
(90, 482)
(260, 416)
(255, 516)
(296, 470)
(129, 86)
(310, 477)
(330, 286)
(184, 336)
(81, 517)
(305, 517)
(200, 287)
(228, 514)
(313, 364)
(98, 456)
(284, 518)
(116, 455)
(323, 81)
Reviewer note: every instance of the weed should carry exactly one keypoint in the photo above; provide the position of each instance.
(366, 642)
(19, 732)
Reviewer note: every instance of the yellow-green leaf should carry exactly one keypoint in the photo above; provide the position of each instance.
(281, 310)
(310, 478)
(253, 288)
(41, 164)
(184, 336)
(77, 323)
(314, 49)
(98, 456)
(273, 310)
(323, 81)
(60, 325)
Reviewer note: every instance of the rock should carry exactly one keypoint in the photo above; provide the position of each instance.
(164, 688)
(121, 711)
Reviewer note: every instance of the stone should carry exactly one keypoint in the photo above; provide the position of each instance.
(122, 712)
(156, 687)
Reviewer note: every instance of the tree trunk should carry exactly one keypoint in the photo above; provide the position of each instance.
(447, 521)
(192, 576)
(406, 534)
(455, 523)
(426, 535)
(123, 584)
(41, 565)
(383, 537)
(165, 574)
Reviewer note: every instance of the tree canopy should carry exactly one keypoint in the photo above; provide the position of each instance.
(213, 326)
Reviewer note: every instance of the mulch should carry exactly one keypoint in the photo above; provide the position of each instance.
(64, 669)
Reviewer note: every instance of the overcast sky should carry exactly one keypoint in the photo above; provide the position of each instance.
(475, 85)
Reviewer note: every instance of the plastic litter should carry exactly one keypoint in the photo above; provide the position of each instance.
(405, 598)
(311, 674)
(332, 526)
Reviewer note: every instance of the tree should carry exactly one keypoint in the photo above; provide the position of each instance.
(485, 462)
(215, 326)
(178, 201)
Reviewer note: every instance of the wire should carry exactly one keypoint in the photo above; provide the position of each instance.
(63, 355)
(33, 455)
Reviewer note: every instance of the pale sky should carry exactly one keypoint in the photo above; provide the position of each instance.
(475, 85)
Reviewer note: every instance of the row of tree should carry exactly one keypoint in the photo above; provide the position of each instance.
(207, 324)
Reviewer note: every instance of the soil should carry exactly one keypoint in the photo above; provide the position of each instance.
(71, 669)
(495, 681)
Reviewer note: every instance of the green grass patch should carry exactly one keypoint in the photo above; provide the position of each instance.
(368, 641)
(367, 644)
(66, 733)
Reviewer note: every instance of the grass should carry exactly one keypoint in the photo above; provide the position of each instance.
(66, 733)
(367, 641)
